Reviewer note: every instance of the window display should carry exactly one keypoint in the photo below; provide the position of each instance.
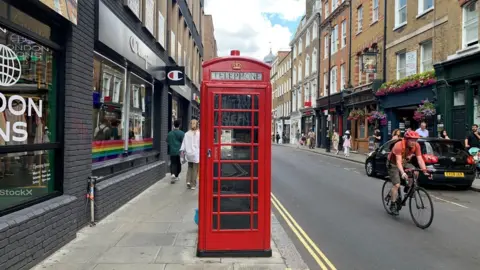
(140, 134)
(108, 109)
(28, 100)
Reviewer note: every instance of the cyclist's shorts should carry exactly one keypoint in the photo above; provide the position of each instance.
(394, 172)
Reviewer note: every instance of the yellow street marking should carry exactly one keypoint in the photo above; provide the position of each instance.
(277, 204)
(309, 249)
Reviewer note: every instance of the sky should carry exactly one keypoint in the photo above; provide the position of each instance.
(253, 26)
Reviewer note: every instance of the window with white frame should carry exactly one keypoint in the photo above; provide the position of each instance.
(307, 66)
(314, 30)
(344, 33)
(306, 96)
(327, 9)
(333, 80)
(325, 51)
(360, 72)
(426, 56)
(307, 39)
(300, 46)
(294, 50)
(375, 10)
(401, 65)
(294, 101)
(343, 78)
(299, 98)
(314, 93)
(334, 4)
(470, 24)
(359, 19)
(325, 83)
(294, 75)
(314, 60)
(334, 39)
(400, 12)
(300, 69)
(424, 5)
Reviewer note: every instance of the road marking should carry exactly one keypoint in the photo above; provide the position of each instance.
(454, 203)
(303, 236)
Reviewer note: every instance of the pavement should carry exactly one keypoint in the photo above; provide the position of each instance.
(340, 210)
(354, 157)
(156, 231)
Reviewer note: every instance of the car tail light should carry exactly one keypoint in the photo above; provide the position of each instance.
(430, 159)
(470, 160)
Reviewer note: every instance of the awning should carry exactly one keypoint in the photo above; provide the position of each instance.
(183, 90)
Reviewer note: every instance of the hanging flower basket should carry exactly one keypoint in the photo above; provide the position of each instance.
(381, 117)
(425, 110)
(408, 83)
(356, 115)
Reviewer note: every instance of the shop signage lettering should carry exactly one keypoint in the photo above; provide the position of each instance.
(235, 118)
(17, 106)
(41, 173)
(236, 76)
(24, 47)
(139, 50)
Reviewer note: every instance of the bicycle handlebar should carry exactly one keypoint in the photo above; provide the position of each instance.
(417, 170)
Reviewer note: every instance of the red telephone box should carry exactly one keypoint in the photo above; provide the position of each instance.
(235, 158)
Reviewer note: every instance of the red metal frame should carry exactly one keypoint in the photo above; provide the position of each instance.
(248, 241)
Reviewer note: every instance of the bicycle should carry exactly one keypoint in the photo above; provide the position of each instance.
(414, 189)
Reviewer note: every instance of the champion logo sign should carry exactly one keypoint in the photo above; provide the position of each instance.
(175, 75)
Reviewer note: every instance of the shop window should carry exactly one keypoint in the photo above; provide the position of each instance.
(108, 110)
(140, 133)
(28, 116)
(459, 98)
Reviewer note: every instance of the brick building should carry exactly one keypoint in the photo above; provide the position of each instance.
(367, 55)
(208, 37)
(85, 71)
(305, 54)
(281, 85)
(335, 44)
(419, 34)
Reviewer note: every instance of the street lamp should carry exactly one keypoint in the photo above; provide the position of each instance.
(329, 119)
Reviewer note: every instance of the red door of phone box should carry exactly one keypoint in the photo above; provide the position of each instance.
(235, 158)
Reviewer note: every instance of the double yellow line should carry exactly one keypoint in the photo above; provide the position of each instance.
(314, 251)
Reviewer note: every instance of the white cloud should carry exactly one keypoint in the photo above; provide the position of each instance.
(242, 25)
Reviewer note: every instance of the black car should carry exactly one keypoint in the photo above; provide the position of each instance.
(448, 160)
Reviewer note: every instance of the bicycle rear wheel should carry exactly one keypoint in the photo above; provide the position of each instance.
(387, 187)
(420, 200)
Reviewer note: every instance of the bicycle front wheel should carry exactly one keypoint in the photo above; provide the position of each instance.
(387, 187)
(421, 202)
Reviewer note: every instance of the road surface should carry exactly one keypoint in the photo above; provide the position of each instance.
(339, 208)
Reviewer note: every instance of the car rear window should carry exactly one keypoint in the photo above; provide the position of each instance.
(443, 148)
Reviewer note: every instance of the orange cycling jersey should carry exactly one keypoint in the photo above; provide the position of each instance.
(400, 148)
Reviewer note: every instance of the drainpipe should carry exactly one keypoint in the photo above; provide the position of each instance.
(384, 41)
(350, 46)
(318, 113)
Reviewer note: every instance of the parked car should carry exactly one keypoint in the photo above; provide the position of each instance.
(449, 161)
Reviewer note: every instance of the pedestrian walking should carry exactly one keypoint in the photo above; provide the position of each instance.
(444, 135)
(311, 139)
(396, 134)
(174, 142)
(277, 137)
(378, 138)
(191, 152)
(298, 137)
(335, 141)
(346, 143)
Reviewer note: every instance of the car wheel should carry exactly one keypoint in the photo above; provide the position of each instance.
(369, 168)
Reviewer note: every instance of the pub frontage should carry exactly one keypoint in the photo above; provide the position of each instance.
(406, 103)
(458, 83)
(359, 103)
(336, 116)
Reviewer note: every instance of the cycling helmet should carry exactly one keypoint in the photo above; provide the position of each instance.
(411, 135)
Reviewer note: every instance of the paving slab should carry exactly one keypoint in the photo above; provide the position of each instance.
(155, 230)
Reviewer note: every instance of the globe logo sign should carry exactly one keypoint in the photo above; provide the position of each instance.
(10, 68)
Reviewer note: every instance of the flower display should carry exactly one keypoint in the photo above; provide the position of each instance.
(426, 109)
(378, 116)
(356, 114)
(408, 83)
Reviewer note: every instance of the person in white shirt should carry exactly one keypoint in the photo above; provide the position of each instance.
(422, 131)
(191, 153)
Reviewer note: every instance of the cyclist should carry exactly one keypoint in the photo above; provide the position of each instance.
(400, 159)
